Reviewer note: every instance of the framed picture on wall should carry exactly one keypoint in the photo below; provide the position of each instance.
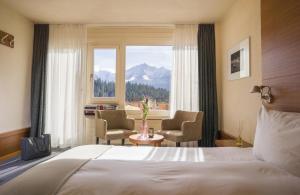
(238, 60)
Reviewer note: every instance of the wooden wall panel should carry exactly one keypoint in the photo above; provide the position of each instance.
(10, 141)
(280, 22)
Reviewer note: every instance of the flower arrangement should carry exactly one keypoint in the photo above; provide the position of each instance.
(145, 112)
(145, 108)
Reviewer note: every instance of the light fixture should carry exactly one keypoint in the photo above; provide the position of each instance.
(265, 93)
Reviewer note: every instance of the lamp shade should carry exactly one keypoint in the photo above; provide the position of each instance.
(256, 89)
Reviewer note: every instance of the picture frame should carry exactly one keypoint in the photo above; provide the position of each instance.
(239, 60)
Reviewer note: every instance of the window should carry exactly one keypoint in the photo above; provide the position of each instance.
(114, 56)
(148, 74)
(104, 72)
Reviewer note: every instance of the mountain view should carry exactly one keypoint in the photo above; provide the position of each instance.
(141, 80)
(141, 74)
(149, 75)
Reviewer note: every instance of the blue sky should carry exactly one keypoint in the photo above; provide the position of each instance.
(105, 59)
(158, 56)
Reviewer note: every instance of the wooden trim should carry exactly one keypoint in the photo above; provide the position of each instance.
(231, 143)
(9, 156)
(226, 136)
(10, 142)
(280, 32)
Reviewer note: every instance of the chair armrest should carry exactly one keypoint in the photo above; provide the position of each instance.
(168, 124)
(130, 123)
(192, 130)
(101, 128)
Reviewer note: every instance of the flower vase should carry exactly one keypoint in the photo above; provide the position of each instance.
(144, 130)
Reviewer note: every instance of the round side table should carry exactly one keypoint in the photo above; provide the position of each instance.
(136, 139)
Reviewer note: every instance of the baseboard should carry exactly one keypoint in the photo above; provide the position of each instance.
(10, 142)
(224, 135)
(10, 156)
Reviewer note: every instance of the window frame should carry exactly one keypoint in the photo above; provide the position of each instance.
(99, 100)
(120, 37)
(153, 112)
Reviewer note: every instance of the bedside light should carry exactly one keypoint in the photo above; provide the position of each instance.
(265, 93)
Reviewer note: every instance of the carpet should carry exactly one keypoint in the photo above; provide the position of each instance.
(13, 167)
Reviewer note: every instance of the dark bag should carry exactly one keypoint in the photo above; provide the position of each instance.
(35, 147)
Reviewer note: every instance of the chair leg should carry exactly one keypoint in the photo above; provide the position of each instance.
(97, 140)
(177, 144)
(108, 142)
(123, 142)
(199, 143)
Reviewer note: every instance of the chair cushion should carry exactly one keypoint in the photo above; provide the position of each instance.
(181, 116)
(116, 119)
(172, 135)
(118, 134)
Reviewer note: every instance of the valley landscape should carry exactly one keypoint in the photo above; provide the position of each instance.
(141, 80)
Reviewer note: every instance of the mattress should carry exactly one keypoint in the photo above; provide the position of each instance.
(96, 169)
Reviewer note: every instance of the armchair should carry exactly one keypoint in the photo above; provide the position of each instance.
(113, 124)
(185, 126)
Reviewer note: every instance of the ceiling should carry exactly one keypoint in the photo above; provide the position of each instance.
(121, 11)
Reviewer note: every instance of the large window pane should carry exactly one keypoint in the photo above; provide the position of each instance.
(148, 74)
(104, 72)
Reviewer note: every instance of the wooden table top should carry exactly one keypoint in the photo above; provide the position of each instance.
(137, 139)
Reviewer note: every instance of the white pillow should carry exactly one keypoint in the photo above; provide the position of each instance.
(277, 139)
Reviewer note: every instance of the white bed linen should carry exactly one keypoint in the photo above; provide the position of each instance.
(178, 154)
(277, 139)
(115, 177)
(116, 170)
(150, 170)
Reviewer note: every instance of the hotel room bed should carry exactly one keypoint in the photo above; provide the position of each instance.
(101, 169)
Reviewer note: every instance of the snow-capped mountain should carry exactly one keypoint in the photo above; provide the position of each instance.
(149, 75)
(105, 75)
(142, 74)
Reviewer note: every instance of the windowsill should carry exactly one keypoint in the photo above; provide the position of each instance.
(135, 117)
(149, 117)
(153, 115)
(103, 100)
(137, 114)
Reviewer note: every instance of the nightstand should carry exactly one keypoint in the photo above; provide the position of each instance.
(230, 143)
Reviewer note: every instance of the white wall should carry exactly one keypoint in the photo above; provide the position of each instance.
(236, 104)
(15, 71)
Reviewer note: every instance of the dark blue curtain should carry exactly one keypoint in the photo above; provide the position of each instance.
(38, 79)
(207, 83)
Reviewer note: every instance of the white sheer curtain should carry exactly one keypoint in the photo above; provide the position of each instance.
(184, 86)
(65, 87)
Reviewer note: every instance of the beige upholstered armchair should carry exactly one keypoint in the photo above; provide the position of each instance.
(113, 124)
(184, 127)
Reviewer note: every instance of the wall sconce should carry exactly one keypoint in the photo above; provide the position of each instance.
(265, 93)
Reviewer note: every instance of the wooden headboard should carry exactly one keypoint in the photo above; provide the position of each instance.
(280, 26)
